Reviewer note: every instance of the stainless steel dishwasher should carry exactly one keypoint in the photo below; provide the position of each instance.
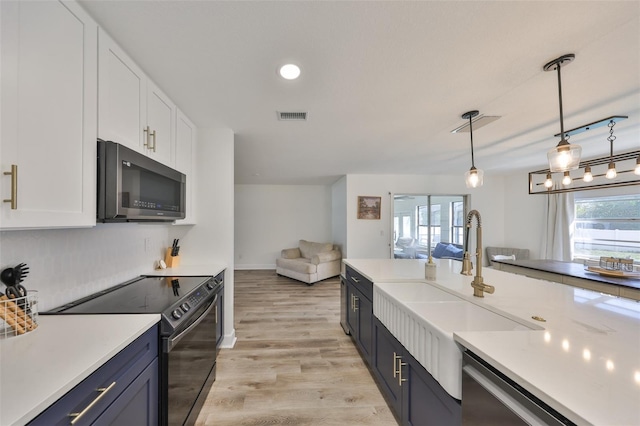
(492, 399)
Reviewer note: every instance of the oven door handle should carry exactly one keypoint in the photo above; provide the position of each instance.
(174, 341)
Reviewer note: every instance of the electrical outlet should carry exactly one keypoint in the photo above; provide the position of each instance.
(147, 245)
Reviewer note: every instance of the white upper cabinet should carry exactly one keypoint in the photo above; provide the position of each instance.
(48, 113)
(186, 139)
(161, 119)
(122, 96)
(132, 110)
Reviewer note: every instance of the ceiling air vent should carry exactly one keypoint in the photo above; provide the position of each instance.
(292, 116)
(480, 121)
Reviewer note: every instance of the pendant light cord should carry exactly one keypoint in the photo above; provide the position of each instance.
(473, 166)
(560, 103)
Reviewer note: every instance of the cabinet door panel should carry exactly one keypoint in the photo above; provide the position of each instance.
(49, 87)
(352, 314)
(122, 102)
(425, 402)
(185, 162)
(161, 121)
(138, 404)
(365, 326)
(386, 349)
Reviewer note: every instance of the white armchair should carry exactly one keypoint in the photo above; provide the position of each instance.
(309, 262)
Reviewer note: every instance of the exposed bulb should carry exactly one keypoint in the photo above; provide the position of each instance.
(636, 171)
(564, 157)
(611, 171)
(548, 183)
(473, 178)
(588, 177)
(566, 180)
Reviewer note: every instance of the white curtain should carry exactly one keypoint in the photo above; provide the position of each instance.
(556, 241)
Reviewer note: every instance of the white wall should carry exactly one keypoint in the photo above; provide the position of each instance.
(372, 238)
(212, 239)
(339, 213)
(67, 264)
(524, 215)
(270, 218)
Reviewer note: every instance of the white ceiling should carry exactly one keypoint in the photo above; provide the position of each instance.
(385, 82)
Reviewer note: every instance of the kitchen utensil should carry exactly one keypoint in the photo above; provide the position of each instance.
(12, 277)
(15, 275)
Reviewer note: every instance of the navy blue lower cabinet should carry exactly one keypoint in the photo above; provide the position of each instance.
(424, 401)
(138, 404)
(359, 316)
(387, 353)
(414, 396)
(125, 388)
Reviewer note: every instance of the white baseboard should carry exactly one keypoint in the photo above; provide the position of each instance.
(254, 266)
(229, 340)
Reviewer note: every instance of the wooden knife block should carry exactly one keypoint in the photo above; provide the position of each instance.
(171, 261)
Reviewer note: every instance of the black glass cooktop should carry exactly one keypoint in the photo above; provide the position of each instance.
(146, 295)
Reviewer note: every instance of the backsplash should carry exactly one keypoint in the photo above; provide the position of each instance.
(67, 264)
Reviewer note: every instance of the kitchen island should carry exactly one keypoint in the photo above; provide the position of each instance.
(573, 274)
(39, 367)
(583, 360)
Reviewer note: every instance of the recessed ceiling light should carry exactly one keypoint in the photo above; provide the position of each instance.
(289, 71)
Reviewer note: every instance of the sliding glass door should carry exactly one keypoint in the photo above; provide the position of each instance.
(422, 221)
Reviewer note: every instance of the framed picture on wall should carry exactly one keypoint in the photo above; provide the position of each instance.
(369, 207)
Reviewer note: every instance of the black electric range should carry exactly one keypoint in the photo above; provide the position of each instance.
(188, 334)
(172, 297)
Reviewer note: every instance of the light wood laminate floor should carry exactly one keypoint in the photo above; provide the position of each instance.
(292, 363)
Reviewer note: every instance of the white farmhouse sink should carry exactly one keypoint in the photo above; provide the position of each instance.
(449, 317)
(423, 318)
(417, 292)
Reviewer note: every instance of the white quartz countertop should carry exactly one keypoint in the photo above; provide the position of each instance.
(585, 363)
(39, 367)
(388, 270)
(205, 270)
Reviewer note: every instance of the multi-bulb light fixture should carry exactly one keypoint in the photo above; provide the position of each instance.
(565, 157)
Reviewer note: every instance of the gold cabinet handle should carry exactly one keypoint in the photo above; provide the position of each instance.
(103, 392)
(400, 365)
(147, 132)
(14, 187)
(153, 135)
(216, 313)
(355, 280)
(396, 357)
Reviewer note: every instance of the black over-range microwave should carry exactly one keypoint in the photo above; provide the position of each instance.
(135, 188)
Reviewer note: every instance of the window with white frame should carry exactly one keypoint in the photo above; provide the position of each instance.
(607, 226)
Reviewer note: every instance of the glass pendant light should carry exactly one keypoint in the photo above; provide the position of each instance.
(474, 177)
(611, 170)
(564, 156)
(566, 179)
(588, 177)
(636, 171)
